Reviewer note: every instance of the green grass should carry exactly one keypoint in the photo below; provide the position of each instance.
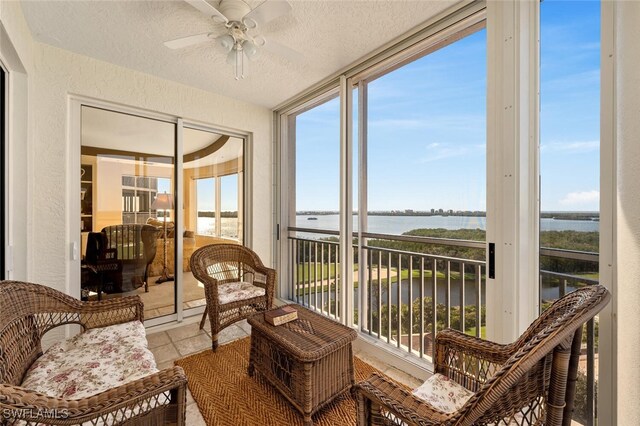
(308, 273)
(472, 331)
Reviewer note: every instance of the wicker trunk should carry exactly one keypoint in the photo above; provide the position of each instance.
(309, 360)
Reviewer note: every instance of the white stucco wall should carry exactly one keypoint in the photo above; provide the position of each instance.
(627, 263)
(53, 75)
(16, 46)
(59, 73)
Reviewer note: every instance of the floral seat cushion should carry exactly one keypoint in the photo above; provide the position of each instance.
(235, 291)
(92, 362)
(443, 393)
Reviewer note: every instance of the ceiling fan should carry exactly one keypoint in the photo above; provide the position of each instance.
(239, 19)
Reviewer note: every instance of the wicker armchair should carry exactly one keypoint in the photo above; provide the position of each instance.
(528, 382)
(236, 284)
(27, 312)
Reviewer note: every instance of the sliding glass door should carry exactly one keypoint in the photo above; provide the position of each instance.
(213, 170)
(138, 228)
(569, 169)
(127, 199)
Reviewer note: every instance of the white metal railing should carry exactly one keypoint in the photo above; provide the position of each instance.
(399, 306)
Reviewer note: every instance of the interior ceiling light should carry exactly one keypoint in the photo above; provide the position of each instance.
(238, 19)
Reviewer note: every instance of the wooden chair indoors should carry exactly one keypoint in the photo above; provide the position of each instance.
(236, 284)
(528, 382)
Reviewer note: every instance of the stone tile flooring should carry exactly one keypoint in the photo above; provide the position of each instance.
(175, 343)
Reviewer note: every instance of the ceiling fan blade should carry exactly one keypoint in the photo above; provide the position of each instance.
(282, 50)
(268, 11)
(179, 43)
(208, 10)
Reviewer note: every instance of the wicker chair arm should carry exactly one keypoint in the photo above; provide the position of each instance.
(19, 403)
(111, 311)
(469, 360)
(270, 281)
(479, 348)
(398, 404)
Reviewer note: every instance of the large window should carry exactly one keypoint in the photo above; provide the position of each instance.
(422, 194)
(317, 161)
(138, 194)
(425, 178)
(206, 224)
(229, 201)
(426, 144)
(414, 166)
(315, 146)
(569, 168)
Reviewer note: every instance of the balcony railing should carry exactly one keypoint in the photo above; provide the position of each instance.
(583, 267)
(396, 304)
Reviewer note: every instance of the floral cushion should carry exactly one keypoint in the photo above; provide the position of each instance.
(233, 292)
(443, 393)
(92, 362)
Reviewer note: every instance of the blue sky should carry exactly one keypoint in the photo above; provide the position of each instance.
(228, 193)
(427, 126)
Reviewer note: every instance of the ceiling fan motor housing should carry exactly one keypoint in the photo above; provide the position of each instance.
(234, 10)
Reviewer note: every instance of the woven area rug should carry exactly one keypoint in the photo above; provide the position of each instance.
(227, 396)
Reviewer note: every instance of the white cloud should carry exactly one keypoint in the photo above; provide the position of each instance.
(571, 147)
(438, 151)
(581, 198)
(400, 123)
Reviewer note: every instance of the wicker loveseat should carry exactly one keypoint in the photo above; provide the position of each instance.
(528, 382)
(56, 387)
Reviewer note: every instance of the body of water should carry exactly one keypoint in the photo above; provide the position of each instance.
(229, 225)
(397, 225)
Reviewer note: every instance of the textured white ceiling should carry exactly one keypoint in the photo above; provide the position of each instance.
(330, 34)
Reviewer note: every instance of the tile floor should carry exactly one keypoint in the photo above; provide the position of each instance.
(186, 339)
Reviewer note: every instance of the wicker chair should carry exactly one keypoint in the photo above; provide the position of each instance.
(236, 284)
(528, 382)
(27, 312)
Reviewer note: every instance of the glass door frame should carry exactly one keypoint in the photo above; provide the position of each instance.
(73, 195)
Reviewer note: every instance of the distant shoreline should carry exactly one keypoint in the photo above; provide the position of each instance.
(588, 216)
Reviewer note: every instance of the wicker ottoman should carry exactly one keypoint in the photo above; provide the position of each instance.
(310, 360)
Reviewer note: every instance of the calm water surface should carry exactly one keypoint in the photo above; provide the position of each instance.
(397, 225)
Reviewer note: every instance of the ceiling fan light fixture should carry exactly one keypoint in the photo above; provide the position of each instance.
(250, 49)
(231, 57)
(226, 42)
(238, 18)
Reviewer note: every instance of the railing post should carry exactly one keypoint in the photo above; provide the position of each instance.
(399, 300)
(434, 305)
(410, 339)
(478, 301)
(463, 302)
